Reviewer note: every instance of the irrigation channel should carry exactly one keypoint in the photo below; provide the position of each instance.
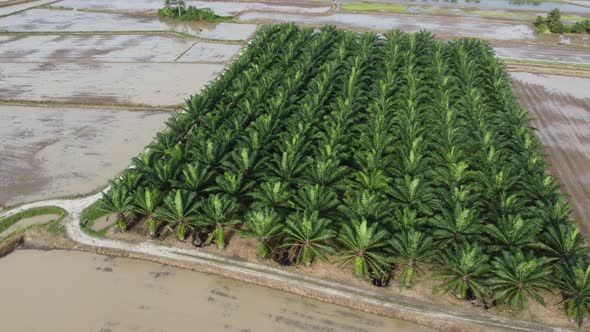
(433, 315)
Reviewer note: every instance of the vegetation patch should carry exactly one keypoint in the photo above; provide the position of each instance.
(89, 215)
(177, 10)
(39, 211)
(552, 23)
(397, 153)
(372, 7)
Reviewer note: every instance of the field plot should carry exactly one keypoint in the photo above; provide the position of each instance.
(46, 20)
(107, 48)
(155, 84)
(50, 152)
(8, 10)
(393, 153)
(560, 107)
(535, 5)
(210, 52)
(219, 7)
(532, 52)
(443, 26)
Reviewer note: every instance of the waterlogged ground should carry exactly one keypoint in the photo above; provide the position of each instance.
(46, 20)
(583, 6)
(88, 292)
(441, 26)
(155, 84)
(221, 8)
(52, 152)
(560, 107)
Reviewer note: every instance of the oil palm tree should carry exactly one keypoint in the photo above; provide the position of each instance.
(465, 271)
(118, 200)
(363, 246)
(178, 212)
(565, 243)
(310, 234)
(516, 276)
(263, 224)
(218, 211)
(273, 194)
(316, 198)
(575, 284)
(411, 250)
(146, 203)
(366, 205)
(513, 233)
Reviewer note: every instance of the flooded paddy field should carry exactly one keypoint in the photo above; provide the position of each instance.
(560, 107)
(11, 9)
(223, 8)
(532, 52)
(581, 7)
(47, 20)
(119, 294)
(52, 152)
(441, 26)
(155, 84)
(108, 48)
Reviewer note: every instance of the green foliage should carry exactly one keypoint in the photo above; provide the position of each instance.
(178, 212)
(517, 276)
(5, 223)
(363, 246)
(575, 283)
(465, 271)
(217, 212)
(552, 23)
(118, 200)
(310, 234)
(263, 225)
(411, 251)
(177, 10)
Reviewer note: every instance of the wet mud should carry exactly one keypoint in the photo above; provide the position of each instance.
(26, 222)
(155, 84)
(560, 107)
(120, 294)
(52, 152)
(531, 52)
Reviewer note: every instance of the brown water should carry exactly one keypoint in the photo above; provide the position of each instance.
(72, 291)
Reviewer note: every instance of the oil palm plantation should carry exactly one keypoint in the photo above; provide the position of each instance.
(146, 204)
(118, 200)
(465, 270)
(575, 284)
(263, 224)
(518, 276)
(364, 248)
(178, 212)
(411, 251)
(310, 234)
(216, 213)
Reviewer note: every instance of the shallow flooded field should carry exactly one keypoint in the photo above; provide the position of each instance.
(44, 20)
(52, 152)
(111, 48)
(560, 107)
(156, 84)
(441, 26)
(563, 54)
(73, 291)
(220, 7)
(507, 4)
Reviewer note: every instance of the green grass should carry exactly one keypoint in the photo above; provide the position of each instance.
(53, 226)
(374, 7)
(89, 216)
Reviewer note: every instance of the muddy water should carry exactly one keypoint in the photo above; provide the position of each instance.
(44, 20)
(156, 84)
(87, 292)
(560, 106)
(211, 52)
(442, 26)
(8, 10)
(26, 222)
(220, 8)
(51, 152)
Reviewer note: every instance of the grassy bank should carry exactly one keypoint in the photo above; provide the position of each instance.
(374, 7)
(52, 226)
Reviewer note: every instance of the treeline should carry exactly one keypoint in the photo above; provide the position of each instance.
(395, 153)
(177, 10)
(552, 24)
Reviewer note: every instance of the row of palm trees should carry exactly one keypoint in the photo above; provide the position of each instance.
(397, 153)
